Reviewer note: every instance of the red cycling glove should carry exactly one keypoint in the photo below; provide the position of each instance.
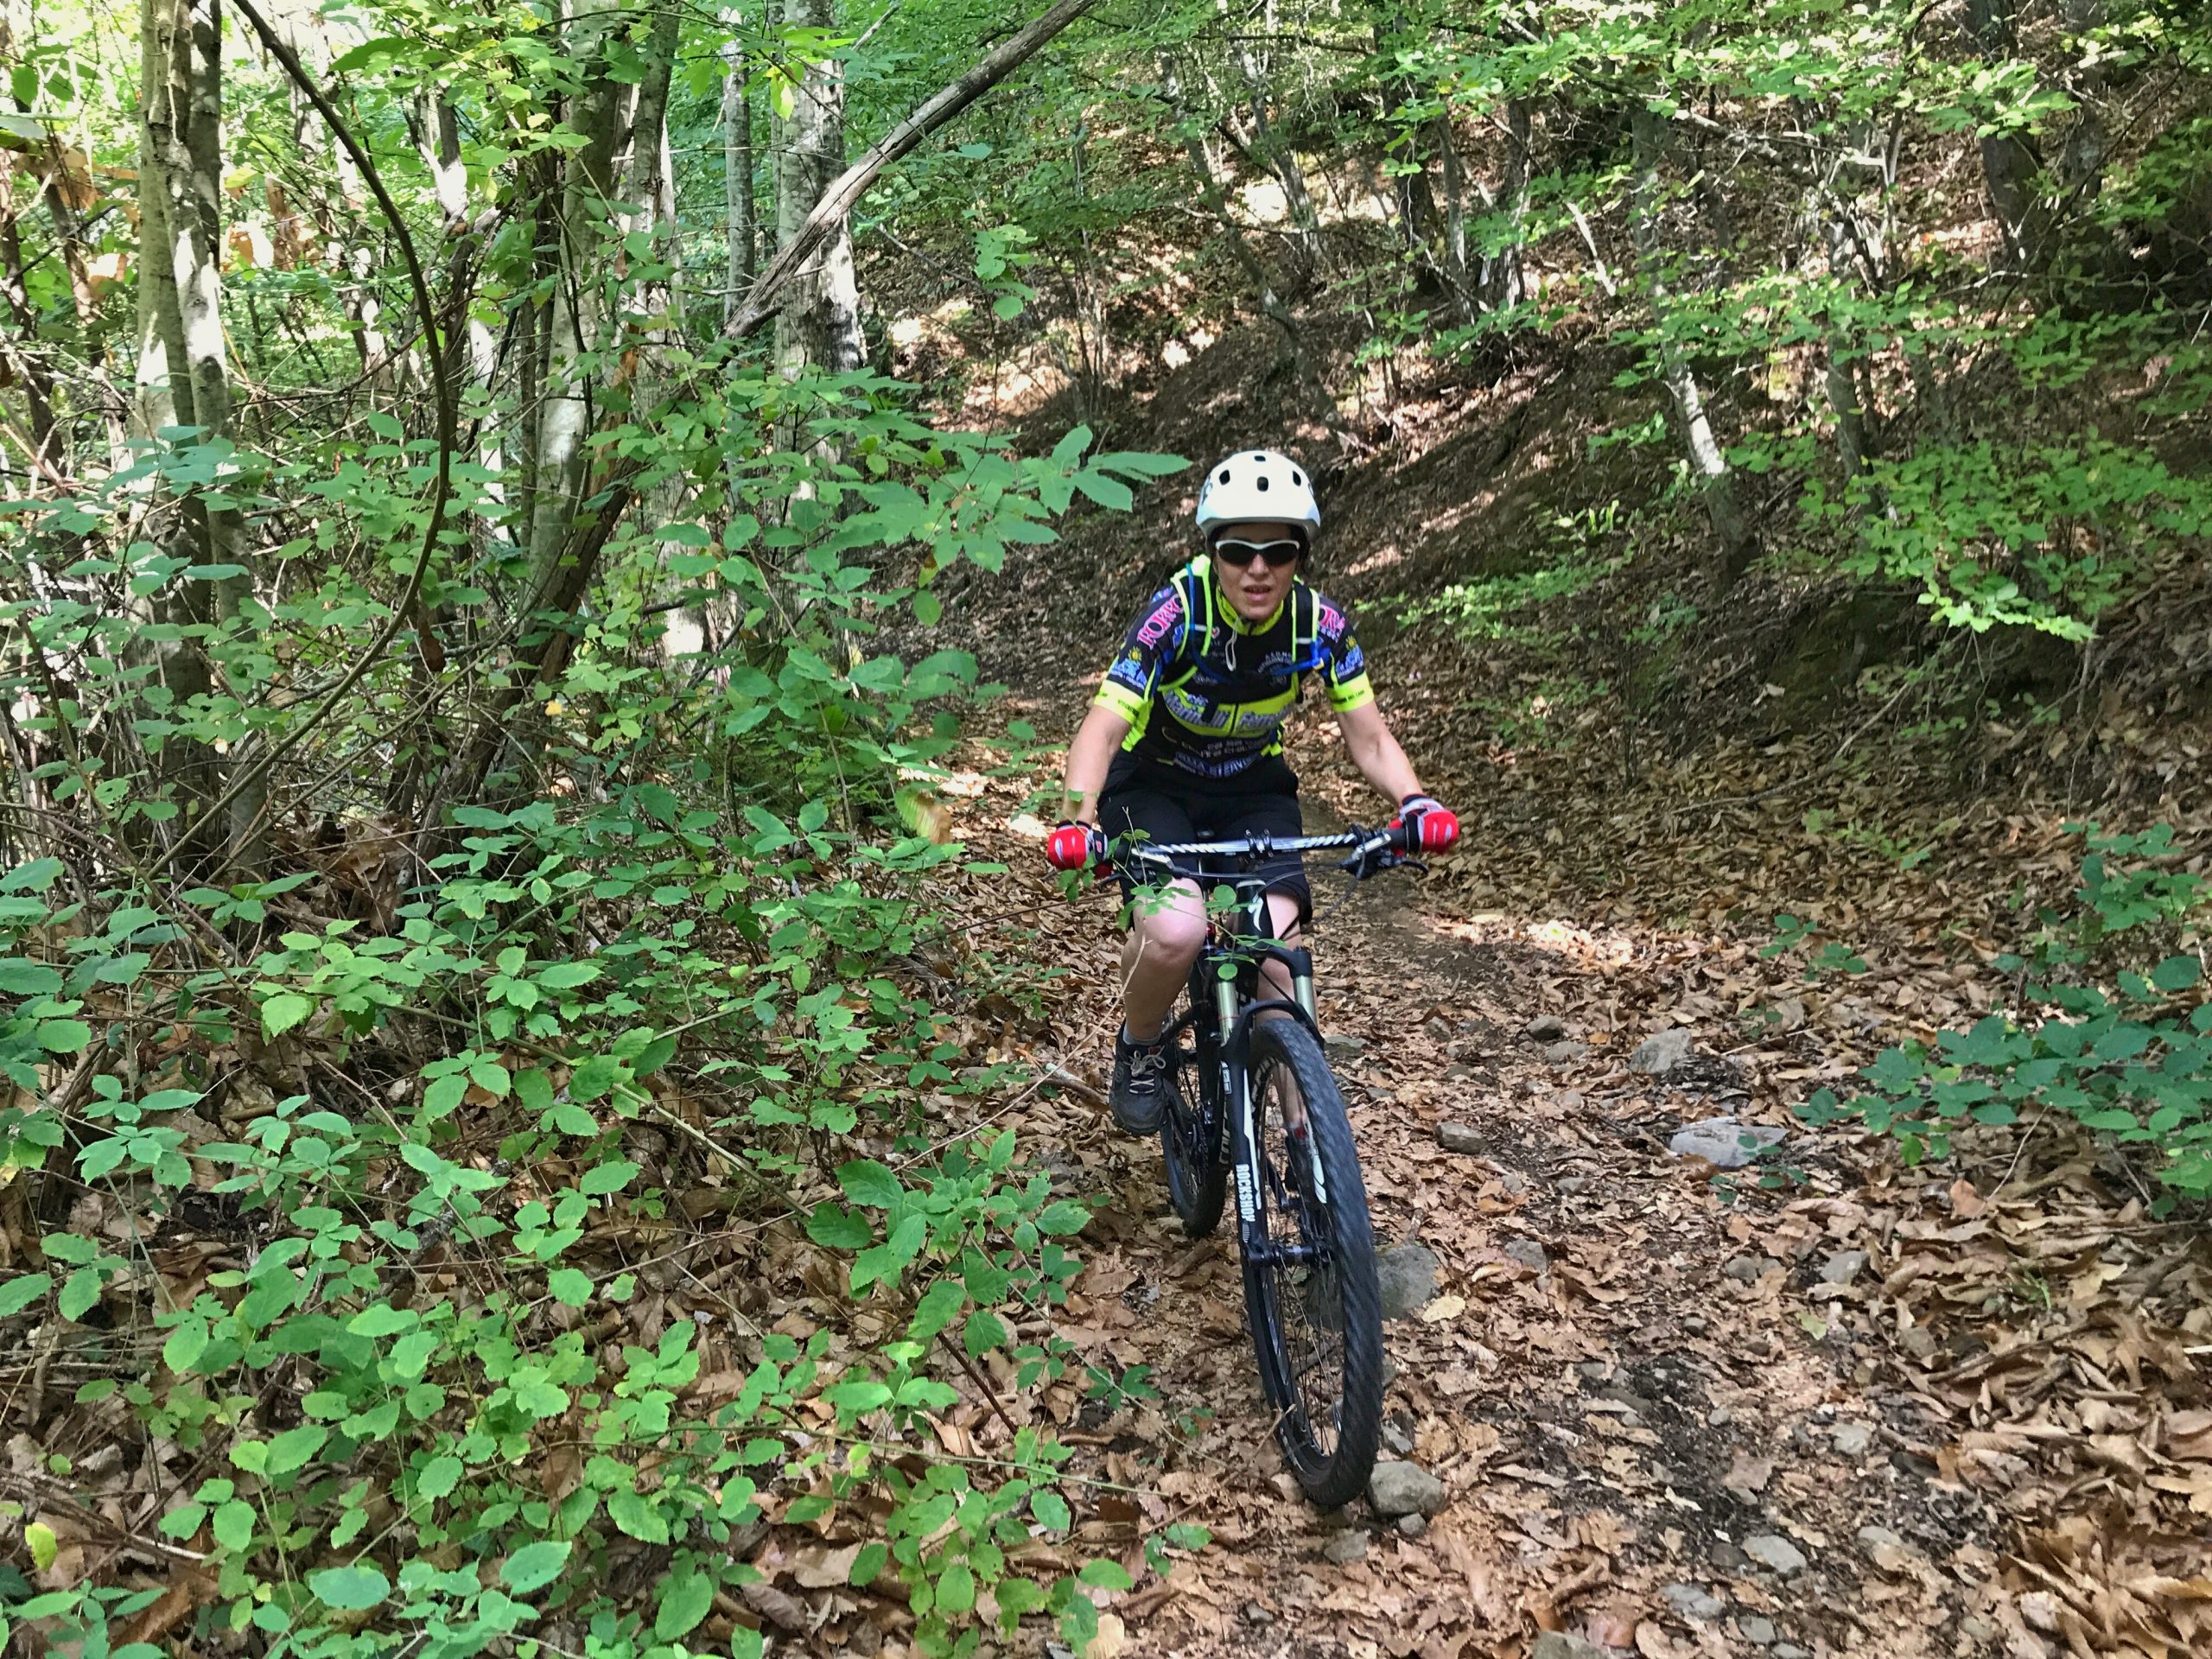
(1074, 846)
(1430, 826)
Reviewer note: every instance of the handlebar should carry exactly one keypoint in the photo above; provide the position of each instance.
(1371, 850)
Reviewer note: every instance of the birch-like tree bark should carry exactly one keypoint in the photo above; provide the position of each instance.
(1734, 545)
(574, 321)
(820, 326)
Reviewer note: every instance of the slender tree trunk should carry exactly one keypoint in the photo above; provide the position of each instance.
(2008, 163)
(585, 200)
(1735, 545)
(821, 325)
(1503, 281)
(739, 204)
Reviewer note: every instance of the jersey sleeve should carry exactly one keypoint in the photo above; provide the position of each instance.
(1344, 665)
(1134, 674)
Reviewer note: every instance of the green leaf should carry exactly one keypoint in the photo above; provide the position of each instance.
(569, 1286)
(19, 1291)
(232, 1524)
(956, 1590)
(535, 1566)
(383, 1319)
(939, 1306)
(1106, 1575)
(834, 1227)
(610, 1177)
(1051, 1509)
(186, 1343)
(2177, 973)
(685, 1601)
(870, 1183)
(43, 1543)
(1066, 1216)
(567, 975)
(350, 1589)
(984, 1332)
(283, 1011)
(21, 978)
(294, 1446)
(868, 1564)
(635, 1515)
(1108, 492)
(439, 1477)
(595, 1077)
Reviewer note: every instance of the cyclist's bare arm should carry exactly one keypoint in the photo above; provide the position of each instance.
(1374, 751)
(1097, 742)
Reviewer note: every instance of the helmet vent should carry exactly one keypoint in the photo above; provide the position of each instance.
(1263, 482)
(1298, 478)
(1225, 474)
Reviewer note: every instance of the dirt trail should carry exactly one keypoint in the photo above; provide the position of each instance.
(1632, 1375)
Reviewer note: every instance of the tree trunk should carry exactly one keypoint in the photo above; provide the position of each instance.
(1503, 281)
(585, 199)
(820, 326)
(184, 375)
(2008, 162)
(1735, 545)
(740, 203)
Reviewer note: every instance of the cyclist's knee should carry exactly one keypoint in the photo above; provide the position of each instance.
(1172, 933)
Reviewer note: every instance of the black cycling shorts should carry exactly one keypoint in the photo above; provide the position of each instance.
(1158, 804)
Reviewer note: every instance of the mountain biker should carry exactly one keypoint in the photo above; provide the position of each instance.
(1184, 740)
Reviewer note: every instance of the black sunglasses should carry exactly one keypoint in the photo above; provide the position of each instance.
(1277, 554)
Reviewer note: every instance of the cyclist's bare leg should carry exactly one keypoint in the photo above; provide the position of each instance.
(1164, 941)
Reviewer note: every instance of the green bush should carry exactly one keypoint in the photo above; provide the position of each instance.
(2126, 1053)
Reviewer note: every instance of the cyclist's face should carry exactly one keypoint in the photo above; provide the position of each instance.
(1255, 588)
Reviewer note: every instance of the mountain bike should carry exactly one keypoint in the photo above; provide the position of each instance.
(1250, 1096)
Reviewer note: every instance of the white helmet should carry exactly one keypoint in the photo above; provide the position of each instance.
(1258, 485)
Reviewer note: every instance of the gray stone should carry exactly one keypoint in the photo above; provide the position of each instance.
(1852, 1439)
(1843, 1267)
(1750, 1269)
(1664, 1051)
(1412, 1525)
(1789, 1650)
(1530, 1254)
(1344, 1047)
(1389, 1370)
(1694, 1324)
(1345, 1548)
(1255, 1614)
(1694, 1602)
(1396, 1439)
(1726, 1556)
(1566, 1053)
(1408, 1275)
(1919, 1341)
(1874, 1538)
(1723, 1142)
(1458, 1137)
(1557, 1644)
(1758, 1630)
(1396, 1489)
(1771, 1550)
(1593, 1371)
(1719, 1417)
(1545, 1028)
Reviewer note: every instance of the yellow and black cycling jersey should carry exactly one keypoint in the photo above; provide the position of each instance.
(1206, 692)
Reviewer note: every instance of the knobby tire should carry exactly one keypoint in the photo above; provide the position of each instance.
(1329, 1426)
(1193, 1134)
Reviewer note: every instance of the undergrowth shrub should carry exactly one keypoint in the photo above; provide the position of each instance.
(355, 1199)
(2108, 1026)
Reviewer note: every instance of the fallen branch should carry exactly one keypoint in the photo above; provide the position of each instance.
(766, 298)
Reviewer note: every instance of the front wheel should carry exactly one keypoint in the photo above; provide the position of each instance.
(1310, 1287)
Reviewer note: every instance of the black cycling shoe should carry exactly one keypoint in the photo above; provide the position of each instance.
(1139, 1093)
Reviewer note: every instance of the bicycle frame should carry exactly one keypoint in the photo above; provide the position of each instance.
(1226, 1001)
